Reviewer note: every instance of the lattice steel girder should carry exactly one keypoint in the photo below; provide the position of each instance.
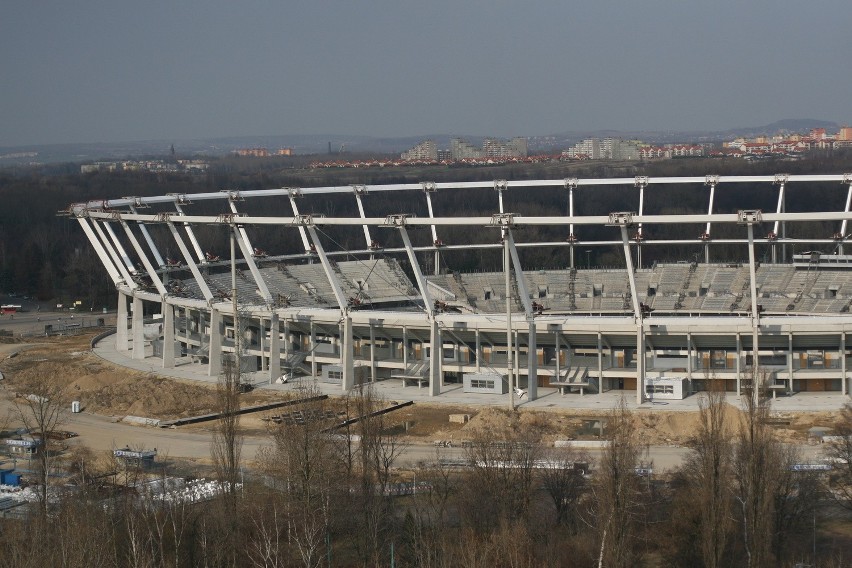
(288, 191)
(478, 221)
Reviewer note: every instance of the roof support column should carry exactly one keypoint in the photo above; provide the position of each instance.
(101, 252)
(750, 218)
(435, 361)
(214, 356)
(313, 347)
(187, 257)
(121, 323)
(556, 353)
(780, 180)
(189, 233)
(571, 185)
(360, 192)
(404, 348)
(119, 265)
(138, 326)
(429, 187)
(295, 192)
(623, 221)
(152, 273)
(478, 351)
(168, 335)
(532, 362)
(274, 347)
(154, 250)
(739, 364)
(509, 348)
(689, 361)
(347, 354)
(641, 182)
(844, 388)
(246, 249)
(790, 360)
(262, 341)
(711, 181)
(372, 352)
(119, 248)
(600, 364)
(847, 179)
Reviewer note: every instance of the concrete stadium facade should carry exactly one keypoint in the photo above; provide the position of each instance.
(370, 313)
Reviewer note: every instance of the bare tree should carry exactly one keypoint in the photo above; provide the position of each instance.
(617, 490)
(378, 453)
(227, 442)
(502, 462)
(41, 410)
(563, 481)
(708, 471)
(839, 451)
(756, 464)
(304, 464)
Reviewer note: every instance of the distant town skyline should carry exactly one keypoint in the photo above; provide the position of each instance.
(94, 72)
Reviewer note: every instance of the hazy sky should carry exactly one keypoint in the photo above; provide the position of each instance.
(89, 71)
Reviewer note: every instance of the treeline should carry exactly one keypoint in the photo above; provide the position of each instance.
(321, 499)
(47, 256)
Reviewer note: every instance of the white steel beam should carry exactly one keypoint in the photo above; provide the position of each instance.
(359, 191)
(117, 262)
(284, 191)
(99, 250)
(149, 240)
(152, 273)
(342, 302)
(189, 233)
(119, 248)
(187, 257)
(240, 227)
(293, 194)
(246, 249)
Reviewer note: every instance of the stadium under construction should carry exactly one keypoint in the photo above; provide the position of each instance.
(770, 285)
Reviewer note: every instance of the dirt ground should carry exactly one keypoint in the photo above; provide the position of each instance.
(107, 389)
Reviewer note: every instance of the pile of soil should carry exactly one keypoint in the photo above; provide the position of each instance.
(103, 388)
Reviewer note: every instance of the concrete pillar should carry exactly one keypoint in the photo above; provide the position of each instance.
(556, 349)
(168, 336)
(600, 362)
(372, 353)
(121, 323)
(789, 361)
(844, 388)
(435, 371)
(689, 362)
(263, 344)
(347, 355)
(313, 347)
(516, 353)
(214, 366)
(640, 362)
(739, 364)
(288, 341)
(274, 348)
(138, 329)
(532, 363)
(478, 352)
(405, 347)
